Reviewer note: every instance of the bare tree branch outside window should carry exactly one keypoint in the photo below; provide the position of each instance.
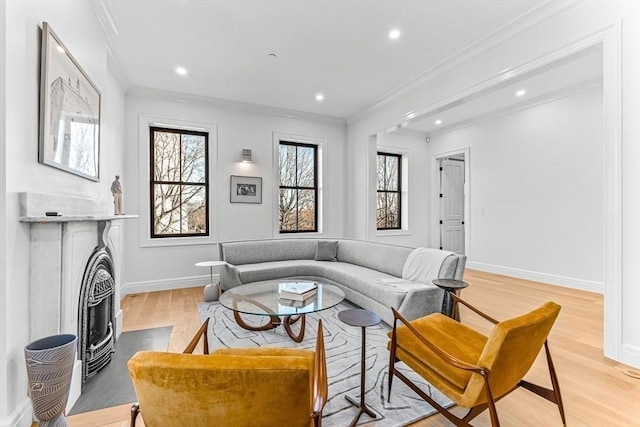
(298, 187)
(179, 183)
(389, 190)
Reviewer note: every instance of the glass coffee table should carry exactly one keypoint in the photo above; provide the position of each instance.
(263, 299)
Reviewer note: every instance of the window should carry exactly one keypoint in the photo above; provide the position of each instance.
(179, 183)
(389, 186)
(298, 207)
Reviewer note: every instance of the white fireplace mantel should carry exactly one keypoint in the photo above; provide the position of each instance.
(74, 218)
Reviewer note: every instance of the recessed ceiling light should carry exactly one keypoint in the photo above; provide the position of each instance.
(521, 92)
(272, 56)
(438, 122)
(319, 97)
(394, 34)
(60, 48)
(181, 71)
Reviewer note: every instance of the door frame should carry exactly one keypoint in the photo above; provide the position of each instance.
(435, 192)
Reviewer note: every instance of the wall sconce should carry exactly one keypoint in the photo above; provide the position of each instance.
(246, 156)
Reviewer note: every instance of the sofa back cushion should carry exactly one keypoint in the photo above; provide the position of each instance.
(377, 256)
(254, 251)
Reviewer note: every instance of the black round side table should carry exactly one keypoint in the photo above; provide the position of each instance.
(361, 318)
(449, 308)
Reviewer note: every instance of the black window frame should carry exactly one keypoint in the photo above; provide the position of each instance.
(297, 188)
(398, 191)
(153, 182)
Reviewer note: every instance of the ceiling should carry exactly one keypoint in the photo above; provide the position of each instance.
(340, 48)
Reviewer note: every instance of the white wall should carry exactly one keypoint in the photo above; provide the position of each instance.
(149, 268)
(415, 225)
(4, 303)
(537, 198)
(75, 23)
(556, 27)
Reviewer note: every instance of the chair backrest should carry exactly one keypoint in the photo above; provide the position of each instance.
(511, 349)
(231, 387)
(223, 390)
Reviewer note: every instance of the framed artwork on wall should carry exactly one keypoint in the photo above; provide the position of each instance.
(69, 111)
(246, 189)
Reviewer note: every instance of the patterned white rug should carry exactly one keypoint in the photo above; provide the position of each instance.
(342, 343)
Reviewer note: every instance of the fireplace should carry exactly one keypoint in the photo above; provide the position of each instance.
(74, 276)
(96, 335)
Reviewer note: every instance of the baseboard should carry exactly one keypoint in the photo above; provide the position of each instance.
(552, 279)
(165, 285)
(629, 355)
(22, 416)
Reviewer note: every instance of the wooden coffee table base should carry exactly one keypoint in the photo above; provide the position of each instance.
(264, 299)
(274, 323)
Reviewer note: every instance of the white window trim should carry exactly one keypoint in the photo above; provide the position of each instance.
(321, 143)
(144, 163)
(404, 195)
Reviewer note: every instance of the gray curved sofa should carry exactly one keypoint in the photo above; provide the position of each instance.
(369, 273)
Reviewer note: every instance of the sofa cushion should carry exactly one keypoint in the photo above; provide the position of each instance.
(377, 256)
(277, 270)
(257, 251)
(326, 250)
(364, 281)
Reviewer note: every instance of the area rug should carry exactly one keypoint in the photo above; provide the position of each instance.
(342, 343)
(112, 386)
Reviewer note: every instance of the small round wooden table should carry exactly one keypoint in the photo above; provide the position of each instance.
(361, 318)
(449, 308)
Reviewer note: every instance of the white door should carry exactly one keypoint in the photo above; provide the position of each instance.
(452, 205)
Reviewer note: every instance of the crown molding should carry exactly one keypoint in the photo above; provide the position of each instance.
(105, 18)
(117, 70)
(208, 101)
(110, 29)
(521, 106)
(540, 13)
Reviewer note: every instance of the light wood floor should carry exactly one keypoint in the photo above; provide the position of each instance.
(595, 390)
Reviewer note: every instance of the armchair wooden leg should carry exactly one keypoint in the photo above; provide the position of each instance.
(317, 419)
(555, 384)
(392, 361)
(493, 413)
(135, 410)
(474, 412)
(458, 422)
(553, 395)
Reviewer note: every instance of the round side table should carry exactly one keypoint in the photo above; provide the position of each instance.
(449, 308)
(212, 290)
(361, 318)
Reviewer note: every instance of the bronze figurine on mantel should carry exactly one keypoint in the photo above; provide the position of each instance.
(116, 190)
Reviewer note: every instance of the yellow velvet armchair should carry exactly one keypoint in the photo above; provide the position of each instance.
(472, 369)
(231, 387)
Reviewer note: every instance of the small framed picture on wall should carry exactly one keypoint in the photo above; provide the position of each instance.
(246, 189)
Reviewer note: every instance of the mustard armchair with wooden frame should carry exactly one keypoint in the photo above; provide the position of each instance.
(474, 370)
(231, 387)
